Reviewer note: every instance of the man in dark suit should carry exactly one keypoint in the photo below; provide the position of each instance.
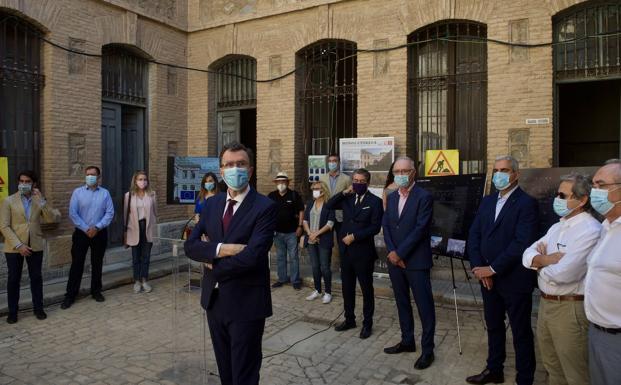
(362, 220)
(408, 242)
(239, 226)
(505, 225)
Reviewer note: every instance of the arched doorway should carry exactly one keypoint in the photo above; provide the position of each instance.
(21, 82)
(587, 76)
(447, 92)
(124, 76)
(233, 102)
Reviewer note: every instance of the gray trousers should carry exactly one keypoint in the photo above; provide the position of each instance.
(604, 357)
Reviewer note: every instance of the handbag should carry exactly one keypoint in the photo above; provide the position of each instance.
(129, 202)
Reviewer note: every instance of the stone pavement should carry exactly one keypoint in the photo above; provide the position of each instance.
(157, 338)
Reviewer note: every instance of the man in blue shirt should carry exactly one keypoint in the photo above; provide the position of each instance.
(91, 211)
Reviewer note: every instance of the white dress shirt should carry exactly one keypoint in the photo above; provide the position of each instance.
(575, 237)
(500, 203)
(602, 289)
(403, 198)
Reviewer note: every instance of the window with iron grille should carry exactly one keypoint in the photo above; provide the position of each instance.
(327, 95)
(447, 92)
(124, 76)
(587, 41)
(21, 81)
(235, 85)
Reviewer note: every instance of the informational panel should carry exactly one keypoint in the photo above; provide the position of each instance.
(456, 200)
(4, 177)
(441, 162)
(542, 184)
(184, 177)
(374, 154)
(316, 167)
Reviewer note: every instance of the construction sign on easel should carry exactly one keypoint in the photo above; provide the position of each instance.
(4, 177)
(441, 162)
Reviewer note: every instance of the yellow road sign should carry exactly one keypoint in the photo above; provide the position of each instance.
(441, 162)
(4, 177)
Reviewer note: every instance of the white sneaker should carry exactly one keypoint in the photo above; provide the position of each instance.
(327, 298)
(147, 288)
(314, 295)
(137, 287)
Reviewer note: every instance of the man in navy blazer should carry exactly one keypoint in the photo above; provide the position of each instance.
(505, 225)
(239, 228)
(362, 220)
(406, 225)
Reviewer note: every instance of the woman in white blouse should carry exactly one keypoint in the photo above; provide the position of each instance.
(140, 215)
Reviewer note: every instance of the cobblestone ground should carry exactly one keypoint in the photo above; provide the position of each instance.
(157, 338)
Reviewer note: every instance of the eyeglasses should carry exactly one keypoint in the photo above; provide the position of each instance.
(240, 164)
(402, 172)
(600, 185)
(363, 181)
(563, 195)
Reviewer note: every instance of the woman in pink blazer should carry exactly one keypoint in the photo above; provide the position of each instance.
(140, 206)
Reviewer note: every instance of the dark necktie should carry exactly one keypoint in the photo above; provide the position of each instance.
(358, 198)
(228, 214)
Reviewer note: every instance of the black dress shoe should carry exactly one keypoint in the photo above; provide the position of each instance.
(365, 332)
(400, 348)
(40, 314)
(486, 377)
(11, 319)
(344, 326)
(98, 297)
(424, 361)
(277, 284)
(66, 304)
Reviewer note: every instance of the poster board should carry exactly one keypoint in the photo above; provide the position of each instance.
(184, 174)
(317, 166)
(4, 177)
(374, 154)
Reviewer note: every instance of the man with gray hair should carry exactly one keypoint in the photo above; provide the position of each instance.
(560, 259)
(602, 287)
(505, 225)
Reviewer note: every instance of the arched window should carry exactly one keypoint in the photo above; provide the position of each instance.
(327, 95)
(587, 73)
(447, 91)
(21, 81)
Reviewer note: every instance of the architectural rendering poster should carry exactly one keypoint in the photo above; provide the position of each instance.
(316, 167)
(373, 154)
(184, 177)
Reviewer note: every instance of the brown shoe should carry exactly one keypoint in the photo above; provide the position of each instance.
(486, 377)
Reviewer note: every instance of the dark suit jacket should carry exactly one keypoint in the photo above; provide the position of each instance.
(326, 240)
(243, 279)
(500, 243)
(363, 221)
(409, 235)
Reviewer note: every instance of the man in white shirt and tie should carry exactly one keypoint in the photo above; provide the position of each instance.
(602, 288)
(560, 258)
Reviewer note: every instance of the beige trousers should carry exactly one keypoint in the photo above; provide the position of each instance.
(562, 329)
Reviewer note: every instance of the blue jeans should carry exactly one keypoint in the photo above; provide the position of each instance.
(287, 244)
(141, 254)
(320, 260)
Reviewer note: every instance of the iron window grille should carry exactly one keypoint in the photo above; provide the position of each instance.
(124, 76)
(235, 84)
(447, 92)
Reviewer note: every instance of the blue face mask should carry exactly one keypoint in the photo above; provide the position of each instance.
(91, 180)
(236, 178)
(332, 166)
(24, 188)
(501, 180)
(209, 186)
(402, 180)
(600, 202)
(560, 207)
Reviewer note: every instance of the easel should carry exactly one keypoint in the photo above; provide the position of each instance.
(468, 278)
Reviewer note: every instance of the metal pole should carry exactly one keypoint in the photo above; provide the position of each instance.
(455, 302)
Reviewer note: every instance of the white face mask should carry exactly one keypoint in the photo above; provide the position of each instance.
(316, 194)
(281, 187)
